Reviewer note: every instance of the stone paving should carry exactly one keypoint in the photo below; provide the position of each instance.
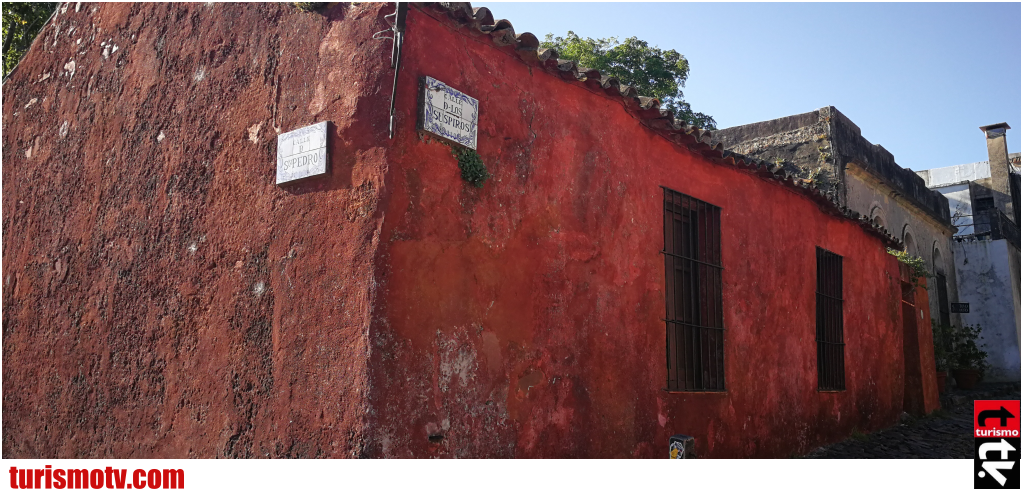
(946, 433)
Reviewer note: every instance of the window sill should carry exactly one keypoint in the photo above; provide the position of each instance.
(676, 391)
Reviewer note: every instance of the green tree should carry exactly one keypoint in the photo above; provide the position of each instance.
(654, 72)
(22, 21)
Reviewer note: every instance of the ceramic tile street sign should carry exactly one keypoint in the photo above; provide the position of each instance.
(302, 153)
(449, 113)
(961, 307)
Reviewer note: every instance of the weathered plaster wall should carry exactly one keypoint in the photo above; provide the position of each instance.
(959, 202)
(161, 296)
(956, 174)
(867, 180)
(961, 184)
(865, 194)
(524, 318)
(802, 144)
(985, 282)
(1014, 276)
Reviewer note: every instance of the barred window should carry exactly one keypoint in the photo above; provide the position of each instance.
(692, 265)
(830, 344)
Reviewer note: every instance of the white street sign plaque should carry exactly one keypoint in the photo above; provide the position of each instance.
(302, 153)
(449, 113)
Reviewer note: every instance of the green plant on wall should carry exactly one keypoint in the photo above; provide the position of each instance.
(469, 162)
(817, 176)
(917, 268)
(955, 347)
(823, 154)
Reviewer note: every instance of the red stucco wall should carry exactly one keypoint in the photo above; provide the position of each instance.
(524, 318)
(161, 296)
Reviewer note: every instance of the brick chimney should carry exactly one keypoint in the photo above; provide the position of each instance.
(998, 158)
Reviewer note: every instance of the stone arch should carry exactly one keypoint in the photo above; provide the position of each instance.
(909, 241)
(877, 215)
(937, 265)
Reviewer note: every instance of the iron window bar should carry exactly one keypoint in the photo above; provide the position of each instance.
(683, 323)
(694, 327)
(830, 322)
(692, 260)
(839, 299)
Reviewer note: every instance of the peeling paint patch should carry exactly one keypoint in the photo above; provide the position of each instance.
(160, 137)
(64, 129)
(530, 380)
(33, 101)
(200, 75)
(254, 132)
(70, 68)
(456, 361)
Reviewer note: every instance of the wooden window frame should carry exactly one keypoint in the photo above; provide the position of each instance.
(694, 331)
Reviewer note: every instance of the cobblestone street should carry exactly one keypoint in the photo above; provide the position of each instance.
(946, 433)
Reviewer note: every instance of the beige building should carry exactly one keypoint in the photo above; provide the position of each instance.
(827, 147)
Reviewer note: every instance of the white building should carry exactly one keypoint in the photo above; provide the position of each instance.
(984, 202)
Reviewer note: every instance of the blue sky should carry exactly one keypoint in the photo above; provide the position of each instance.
(918, 78)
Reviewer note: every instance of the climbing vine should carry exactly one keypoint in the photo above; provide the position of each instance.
(917, 268)
(469, 162)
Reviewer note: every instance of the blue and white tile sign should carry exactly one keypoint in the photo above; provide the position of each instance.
(302, 153)
(449, 113)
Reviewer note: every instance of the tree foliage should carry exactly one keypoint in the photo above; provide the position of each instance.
(22, 21)
(654, 72)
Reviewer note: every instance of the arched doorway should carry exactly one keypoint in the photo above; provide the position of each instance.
(941, 285)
